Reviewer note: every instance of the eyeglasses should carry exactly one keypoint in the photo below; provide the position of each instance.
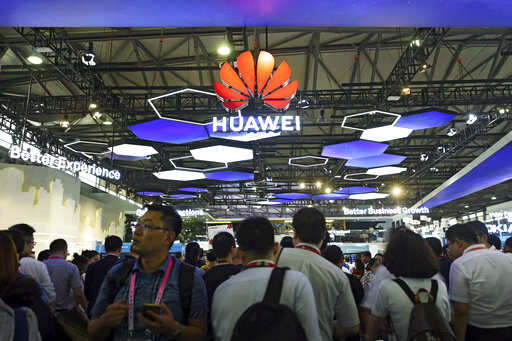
(146, 227)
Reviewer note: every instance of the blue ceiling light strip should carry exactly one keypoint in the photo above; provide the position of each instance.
(330, 196)
(354, 149)
(356, 190)
(230, 176)
(376, 161)
(193, 190)
(293, 196)
(425, 119)
(169, 131)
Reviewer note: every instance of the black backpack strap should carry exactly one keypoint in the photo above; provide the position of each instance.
(433, 290)
(406, 289)
(275, 285)
(121, 274)
(279, 255)
(186, 285)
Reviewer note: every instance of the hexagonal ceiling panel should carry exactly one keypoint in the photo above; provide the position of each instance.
(426, 119)
(307, 161)
(170, 131)
(359, 177)
(354, 149)
(230, 176)
(369, 119)
(356, 190)
(88, 147)
(376, 161)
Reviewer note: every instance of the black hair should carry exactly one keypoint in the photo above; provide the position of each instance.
(367, 254)
(211, 256)
(170, 217)
(435, 244)
(508, 243)
(256, 235)
(494, 240)
(479, 228)
(370, 263)
(79, 260)
(18, 240)
(333, 254)
(462, 232)
(58, 245)
(25, 229)
(113, 243)
(43, 255)
(89, 253)
(408, 255)
(287, 241)
(309, 224)
(222, 243)
(192, 253)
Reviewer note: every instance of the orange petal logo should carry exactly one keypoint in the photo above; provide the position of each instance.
(256, 81)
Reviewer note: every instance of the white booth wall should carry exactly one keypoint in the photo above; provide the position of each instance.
(57, 205)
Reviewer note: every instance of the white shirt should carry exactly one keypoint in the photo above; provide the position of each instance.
(392, 301)
(380, 274)
(37, 270)
(331, 287)
(482, 278)
(239, 292)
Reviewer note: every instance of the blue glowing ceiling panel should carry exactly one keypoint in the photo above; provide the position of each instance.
(193, 189)
(118, 157)
(356, 190)
(230, 176)
(181, 196)
(425, 120)
(376, 161)
(150, 194)
(169, 131)
(293, 196)
(496, 169)
(283, 201)
(354, 149)
(330, 196)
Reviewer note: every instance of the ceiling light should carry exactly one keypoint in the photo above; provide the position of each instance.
(441, 149)
(471, 118)
(393, 98)
(221, 153)
(493, 198)
(302, 185)
(328, 190)
(416, 42)
(97, 115)
(406, 90)
(88, 57)
(466, 206)
(133, 150)
(385, 133)
(318, 184)
(224, 50)
(451, 132)
(179, 175)
(396, 191)
(303, 103)
(368, 196)
(423, 157)
(35, 57)
(93, 106)
(64, 123)
(386, 170)
(424, 67)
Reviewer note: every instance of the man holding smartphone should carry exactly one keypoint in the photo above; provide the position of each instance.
(153, 280)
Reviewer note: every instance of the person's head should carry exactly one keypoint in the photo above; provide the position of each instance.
(286, 241)
(91, 256)
(156, 231)
(372, 264)
(435, 244)
(113, 244)
(379, 258)
(408, 255)
(8, 261)
(43, 255)
(309, 226)
(481, 231)
(255, 238)
(366, 256)
(19, 242)
(27, 232)
(59, 247)
(223, 244)
(458, 238)
(507, 247)
(495, 241)
(81, 262)
(334, 255)
(192, 253)
(211, 257)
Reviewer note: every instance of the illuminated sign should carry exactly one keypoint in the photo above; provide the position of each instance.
(191, 213)
(384, 211)
(62, 163)
(500, 228)
(256, 123)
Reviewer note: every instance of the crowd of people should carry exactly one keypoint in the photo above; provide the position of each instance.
(299, 289)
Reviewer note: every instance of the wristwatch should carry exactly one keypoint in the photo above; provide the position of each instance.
(177, 331)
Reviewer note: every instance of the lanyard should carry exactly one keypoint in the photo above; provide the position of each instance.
(309, 248)
(476, 248)
(158, 299)
(56, 257)
(260, 264)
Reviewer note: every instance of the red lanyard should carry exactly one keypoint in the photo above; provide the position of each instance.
(56, 257)
(260, 264)
(309, 248)
(158, 299)
(477, 248)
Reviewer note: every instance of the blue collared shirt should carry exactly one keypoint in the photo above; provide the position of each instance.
(146, 288)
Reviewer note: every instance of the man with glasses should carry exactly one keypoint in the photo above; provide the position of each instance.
(32, 267)
(153, 279)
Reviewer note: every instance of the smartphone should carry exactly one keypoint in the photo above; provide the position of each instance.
(151, 307)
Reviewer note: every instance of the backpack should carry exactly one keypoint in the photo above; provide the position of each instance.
(268, 320)
(426, 322)
(186, 284)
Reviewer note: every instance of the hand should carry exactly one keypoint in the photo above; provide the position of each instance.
(115, 313)
(160, 324)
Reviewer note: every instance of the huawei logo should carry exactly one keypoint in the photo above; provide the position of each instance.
(255, 82)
